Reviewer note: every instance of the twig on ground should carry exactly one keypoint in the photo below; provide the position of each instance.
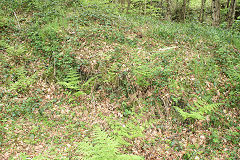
(19, 26)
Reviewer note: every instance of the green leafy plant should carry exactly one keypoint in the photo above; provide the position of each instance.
(234, 94)
(102, 147)
(18, 107)
(198, 111)
(24, 156)
(22, 81)
(125, 131)
(75, 85)
(72, 82)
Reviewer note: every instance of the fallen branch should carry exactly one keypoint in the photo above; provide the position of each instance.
(17, 20)
(165, 49)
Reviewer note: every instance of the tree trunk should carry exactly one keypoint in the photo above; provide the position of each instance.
(128, 6)
(184, 10)
(231, 13)
(145, 7)
(160, 4)
(176, 8)
(216, 12)
(188, 5)
(228, 1)
(115, 1)
(168, 14)
(201, 16)
(122, 4)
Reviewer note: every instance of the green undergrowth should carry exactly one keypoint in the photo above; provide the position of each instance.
(186, 71)
(103, 147)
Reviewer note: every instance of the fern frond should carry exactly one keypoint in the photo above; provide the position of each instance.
(234, 74)
(129, 157)
(209, 108)
(196, 115)
(71, 81)
(198, 110)
(103, 147)
(89, 82)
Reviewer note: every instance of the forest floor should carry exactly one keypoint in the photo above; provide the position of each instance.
(160, 90)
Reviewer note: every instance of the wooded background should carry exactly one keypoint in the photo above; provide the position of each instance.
(215, 12)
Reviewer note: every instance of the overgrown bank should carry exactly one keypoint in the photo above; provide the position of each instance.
(157, 89)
